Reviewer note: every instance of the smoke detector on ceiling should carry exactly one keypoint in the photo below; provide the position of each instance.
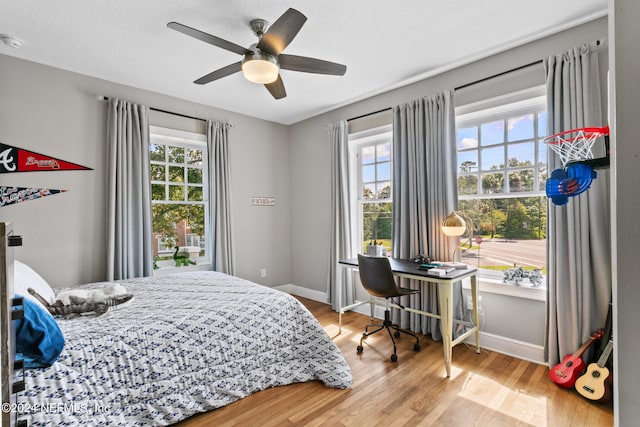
(11, 41)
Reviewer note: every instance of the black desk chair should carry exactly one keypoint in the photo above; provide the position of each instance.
(377, 278)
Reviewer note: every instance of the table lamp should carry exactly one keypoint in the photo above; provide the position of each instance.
(454, 226)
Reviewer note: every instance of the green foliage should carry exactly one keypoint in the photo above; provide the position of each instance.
(177, 176)
(385, 192)
(468, 166)
(165, 217)
(377, 221)
(493, 183)
(157, 152)
(510, 218)
(468, 184)
(514, 226)
(175, 154)
(194, 176)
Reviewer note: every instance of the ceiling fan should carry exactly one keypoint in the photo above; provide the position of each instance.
(262, 61)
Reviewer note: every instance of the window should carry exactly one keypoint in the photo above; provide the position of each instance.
(371, 162)
(502, 172)
(178, 168)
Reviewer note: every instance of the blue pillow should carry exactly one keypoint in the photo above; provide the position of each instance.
(38, 336)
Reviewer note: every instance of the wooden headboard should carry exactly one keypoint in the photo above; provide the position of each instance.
(10, 310)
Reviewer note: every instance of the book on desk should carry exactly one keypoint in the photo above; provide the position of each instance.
(437, 268)
(440, 271)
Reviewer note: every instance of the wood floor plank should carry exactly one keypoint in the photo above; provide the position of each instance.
(486, 389)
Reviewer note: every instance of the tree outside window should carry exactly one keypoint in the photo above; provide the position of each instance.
(178, 186)
(371, 161)
(501, 175)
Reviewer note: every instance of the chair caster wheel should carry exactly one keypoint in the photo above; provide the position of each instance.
(396, 334)
(394, 357)
(416, 347)
(359, 349)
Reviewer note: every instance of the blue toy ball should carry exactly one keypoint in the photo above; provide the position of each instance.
(575, 180)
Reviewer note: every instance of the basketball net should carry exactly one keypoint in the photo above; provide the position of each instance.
(575, 145)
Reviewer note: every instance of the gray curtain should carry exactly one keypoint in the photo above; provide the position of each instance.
(220, 226)
(340, 246)
(129, 239)
(579, 267)
(424, 192)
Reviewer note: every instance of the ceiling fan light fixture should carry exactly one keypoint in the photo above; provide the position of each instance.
(260, 68)
(261, 62)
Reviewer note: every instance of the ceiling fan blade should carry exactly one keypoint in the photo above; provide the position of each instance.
(281, 32)
(220, 73)
(276, 89)
(208, 38)
(310, 65)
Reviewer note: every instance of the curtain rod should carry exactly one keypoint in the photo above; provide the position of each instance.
(369, 114)
(462, 86)
(106, 98)
(540, 61)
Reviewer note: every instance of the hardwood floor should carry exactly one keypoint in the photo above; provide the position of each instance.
(487, 389)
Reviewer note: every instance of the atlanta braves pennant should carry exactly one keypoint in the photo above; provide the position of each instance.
(14, 159)
(13, 195)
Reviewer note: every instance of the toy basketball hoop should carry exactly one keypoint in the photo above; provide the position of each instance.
(574, 149)
(575, 145)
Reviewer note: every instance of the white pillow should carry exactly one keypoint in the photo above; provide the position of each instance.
(25, 277)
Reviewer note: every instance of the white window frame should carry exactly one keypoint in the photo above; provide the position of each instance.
(161, 245)
(512, 104)
(358, 141)
(184, 139)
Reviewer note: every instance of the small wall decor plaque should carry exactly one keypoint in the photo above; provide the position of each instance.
(263, 201)
(14, 159)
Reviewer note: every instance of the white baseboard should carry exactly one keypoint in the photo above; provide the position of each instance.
(504, 345)
(304, 292)
(520, 349)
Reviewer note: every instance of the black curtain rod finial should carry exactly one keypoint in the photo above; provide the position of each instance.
(106, 98)
(369, 114)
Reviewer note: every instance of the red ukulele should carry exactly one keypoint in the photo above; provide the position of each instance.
(566, 372)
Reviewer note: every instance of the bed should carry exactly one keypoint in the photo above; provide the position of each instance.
(187, 343)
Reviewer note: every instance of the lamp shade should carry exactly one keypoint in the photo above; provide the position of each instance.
(453, 225)
(260, 68)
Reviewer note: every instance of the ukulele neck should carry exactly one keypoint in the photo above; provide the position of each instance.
(605, 354)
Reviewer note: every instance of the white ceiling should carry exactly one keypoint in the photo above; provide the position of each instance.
(384, 44)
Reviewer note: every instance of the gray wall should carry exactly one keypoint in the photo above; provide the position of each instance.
(55, 112)
(310, 176)
(625, 96)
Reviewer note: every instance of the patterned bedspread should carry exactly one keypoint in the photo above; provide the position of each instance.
(187, 343)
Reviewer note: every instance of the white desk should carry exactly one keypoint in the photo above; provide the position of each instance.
(410, 270)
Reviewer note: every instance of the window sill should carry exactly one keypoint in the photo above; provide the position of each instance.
(169, 267)
(538, 293)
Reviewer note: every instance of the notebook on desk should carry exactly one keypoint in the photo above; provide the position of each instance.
(430, 265)
(456, 265)
(440, 271)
